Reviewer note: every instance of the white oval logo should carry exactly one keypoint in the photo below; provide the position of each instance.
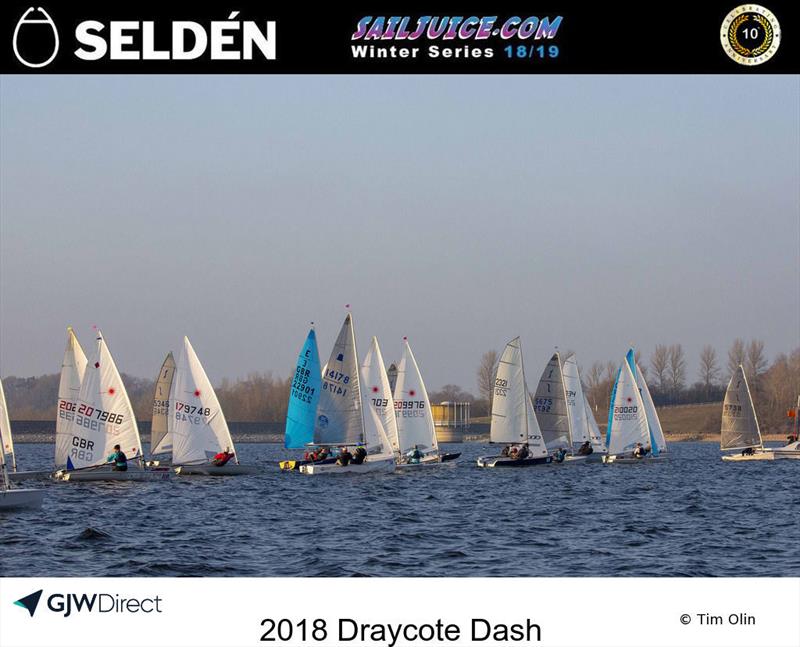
(47, 20)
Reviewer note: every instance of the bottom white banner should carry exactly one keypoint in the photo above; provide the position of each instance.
(399, 612)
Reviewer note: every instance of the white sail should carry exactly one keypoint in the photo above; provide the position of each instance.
(576, 403)
(415, 427)
(596, 438)
(160, 440)
(103, 416)
(72, 369)
(339, 413)
(657, 440)
(513, 417)
(6, 442)
(628, 419)
(378, 394)
(739, 423)
(197, 424)
(550, 405)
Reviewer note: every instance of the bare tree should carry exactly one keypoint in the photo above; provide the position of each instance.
(736, 356)
(594, 381)
(659, 362)
(755, 362)
(486, 372)
(451, 393)
(709, 369)
(677, 369)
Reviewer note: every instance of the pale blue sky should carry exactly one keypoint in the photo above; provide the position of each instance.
(583, 212)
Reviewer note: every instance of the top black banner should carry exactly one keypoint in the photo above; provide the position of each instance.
(386, 38)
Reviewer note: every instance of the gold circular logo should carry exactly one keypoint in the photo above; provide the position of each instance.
(750, 34)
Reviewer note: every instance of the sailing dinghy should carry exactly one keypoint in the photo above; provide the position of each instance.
(12, 497)
(102, 418)
(160, 438)
(416, 431)
(552, 412)
(627, 420)
(303, 401)
(7, 448)
(739, 429)
(73, 367)
(344, 417)
(658, 444)
(583, 425)
(196, 424)
(378, 392)
(514, 423)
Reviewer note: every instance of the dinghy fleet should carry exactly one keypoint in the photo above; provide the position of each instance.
(348, 418)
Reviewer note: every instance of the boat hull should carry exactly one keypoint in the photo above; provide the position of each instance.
(110, 475)
(451, 456)
(505, 461)
(386, 465)
(33, 475)
(295, 465)
(631, 460)
(20, 498)
(214, 470)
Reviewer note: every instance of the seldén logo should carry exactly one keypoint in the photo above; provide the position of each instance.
(66, 604)
(36, 40)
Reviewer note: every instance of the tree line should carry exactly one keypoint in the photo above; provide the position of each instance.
(259, 397)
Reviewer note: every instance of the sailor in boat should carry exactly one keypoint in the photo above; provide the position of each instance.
(359, 455)
(222, 458)
(344, 457)
(585, 449)
(748, 451)
(559, 455)
(505, 451)
(522, 452)
(640, 451)
(119, 460)
(414, 455)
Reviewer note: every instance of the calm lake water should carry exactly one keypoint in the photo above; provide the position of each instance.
(693, 515)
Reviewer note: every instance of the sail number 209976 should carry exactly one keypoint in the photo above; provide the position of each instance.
(286, 630)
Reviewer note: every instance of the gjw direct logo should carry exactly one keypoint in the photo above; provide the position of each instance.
(66, 604)
(37, 40)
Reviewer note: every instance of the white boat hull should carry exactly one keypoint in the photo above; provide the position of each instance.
(758, 456)
(34, 475)
(111, 475)
(20, 498)
(630, 460)
(385, 465)
(505, 461)
(214, 470)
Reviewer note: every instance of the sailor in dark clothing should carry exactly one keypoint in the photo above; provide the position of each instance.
(504, 451)
(344, 457)
(522, 452)
(119, 459)
(359, 455)
(748, 451)
(560, 455)
(585, 449)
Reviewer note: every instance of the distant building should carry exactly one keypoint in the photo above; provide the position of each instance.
(391, 373)
(451, 420)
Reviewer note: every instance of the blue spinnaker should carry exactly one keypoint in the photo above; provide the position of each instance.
(304, 396)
